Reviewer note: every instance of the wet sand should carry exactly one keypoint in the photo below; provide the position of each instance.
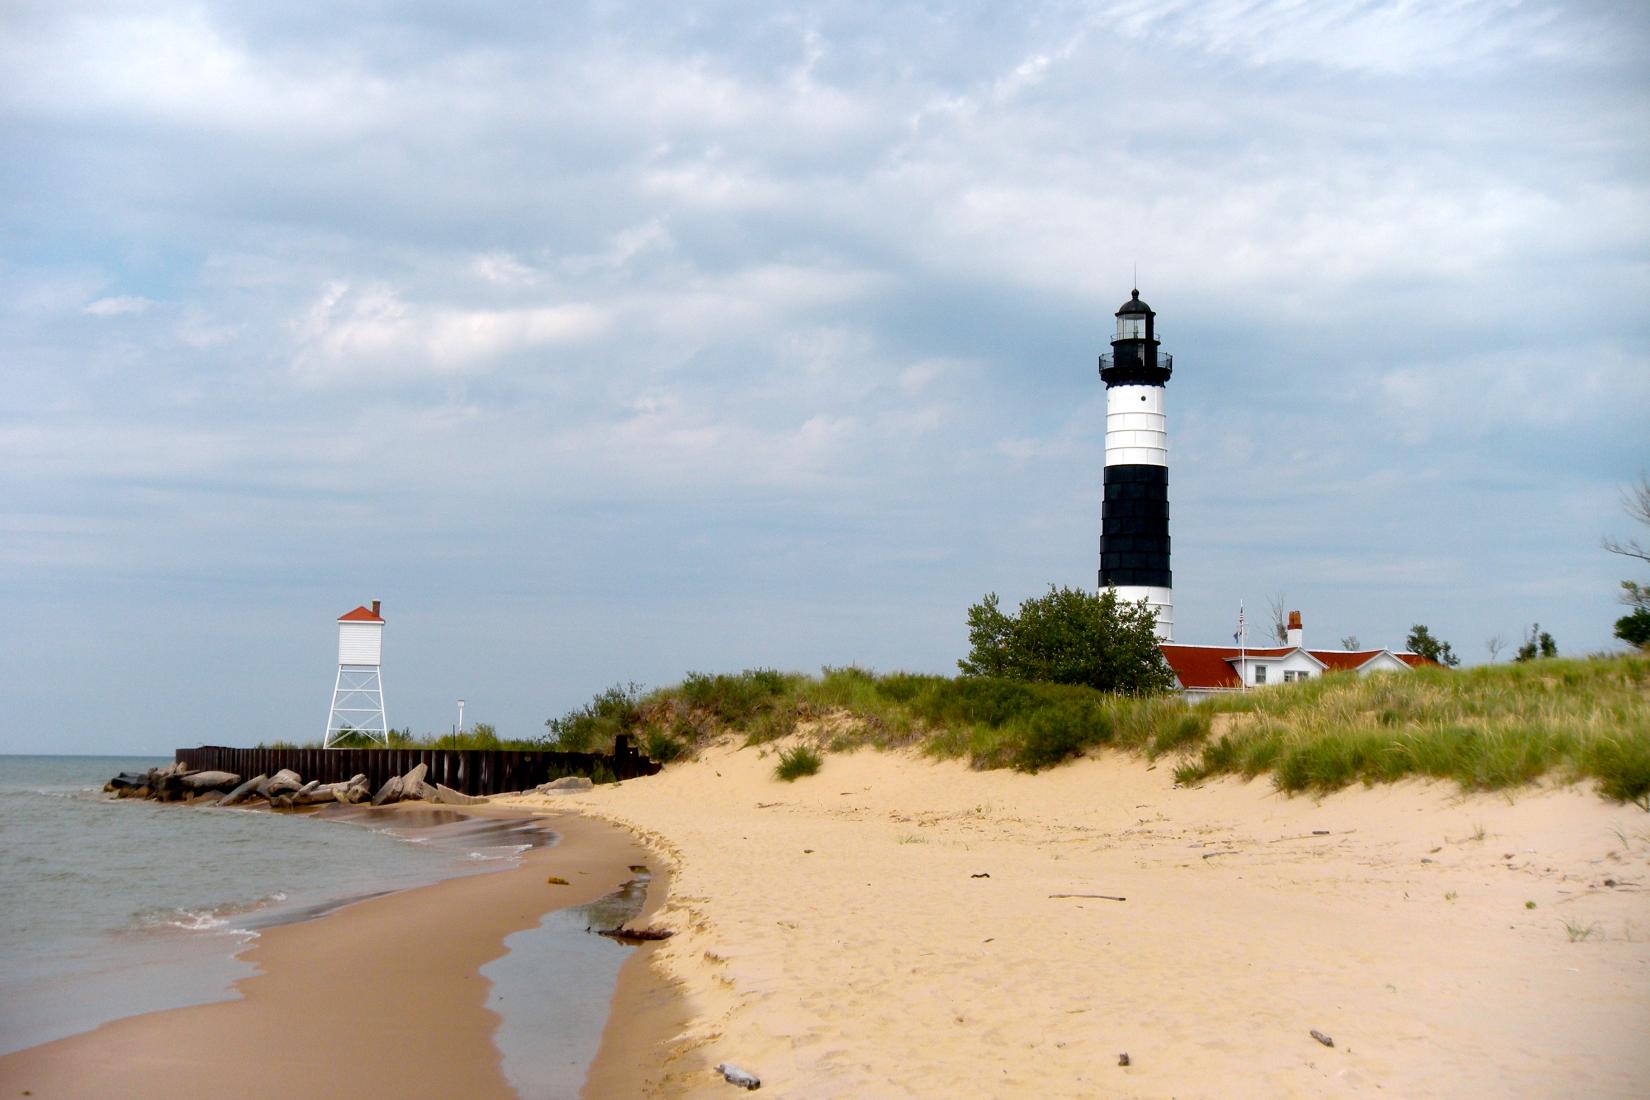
(384, 996)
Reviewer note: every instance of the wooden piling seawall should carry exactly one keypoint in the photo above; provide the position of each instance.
(472, 771)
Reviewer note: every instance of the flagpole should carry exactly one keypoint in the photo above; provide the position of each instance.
(1243, 651)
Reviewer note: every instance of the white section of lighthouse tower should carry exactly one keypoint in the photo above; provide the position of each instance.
(1134, 531)
(1137, 435)
(358, 693)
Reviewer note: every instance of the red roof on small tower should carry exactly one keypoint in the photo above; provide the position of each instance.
(362, 615)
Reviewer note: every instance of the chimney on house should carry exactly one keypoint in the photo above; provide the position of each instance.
(1294, 628)
(375, 611)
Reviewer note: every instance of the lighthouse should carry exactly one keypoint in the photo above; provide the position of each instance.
(358, 693)
(1134, 513)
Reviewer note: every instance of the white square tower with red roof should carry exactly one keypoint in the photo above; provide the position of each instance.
(358, 693)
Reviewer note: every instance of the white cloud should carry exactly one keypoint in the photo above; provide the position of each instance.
(346, 332)
(118, 306)
(503, 269)
(1392, 39)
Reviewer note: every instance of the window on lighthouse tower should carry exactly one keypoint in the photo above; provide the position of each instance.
(1131, 326)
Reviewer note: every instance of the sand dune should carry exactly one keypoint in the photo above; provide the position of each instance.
(886, 928)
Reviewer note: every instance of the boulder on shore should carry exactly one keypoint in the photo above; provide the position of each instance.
(446, 796)
(389, 792)
(565, 784)
(239, 794)
(316, 793)
(210, 781)
(285, 781)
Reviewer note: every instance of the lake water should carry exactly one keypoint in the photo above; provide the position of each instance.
(116, 907)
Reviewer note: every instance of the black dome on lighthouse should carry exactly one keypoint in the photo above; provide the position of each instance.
(1133, 305)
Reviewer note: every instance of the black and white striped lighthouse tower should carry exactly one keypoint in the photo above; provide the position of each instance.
(1134, 515)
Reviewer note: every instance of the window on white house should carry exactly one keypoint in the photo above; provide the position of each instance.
(1260, 674)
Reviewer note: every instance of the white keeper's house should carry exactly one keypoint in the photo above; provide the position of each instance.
(1203, 671)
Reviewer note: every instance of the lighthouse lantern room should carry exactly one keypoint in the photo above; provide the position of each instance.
(358, 693)
(1134, 513)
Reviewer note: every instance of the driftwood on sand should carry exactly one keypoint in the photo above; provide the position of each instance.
(635, 935)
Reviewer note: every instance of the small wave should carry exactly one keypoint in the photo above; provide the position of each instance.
(197, 920)
(216, 918)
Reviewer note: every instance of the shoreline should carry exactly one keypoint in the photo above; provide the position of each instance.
(385, 988)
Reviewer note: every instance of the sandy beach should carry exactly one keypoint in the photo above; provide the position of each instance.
(382, 997)
(896, 927)
(899, 927)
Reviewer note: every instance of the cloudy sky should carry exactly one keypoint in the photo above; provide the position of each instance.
(608, 342)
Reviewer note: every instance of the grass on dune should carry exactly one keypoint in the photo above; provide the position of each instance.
(1485, 728)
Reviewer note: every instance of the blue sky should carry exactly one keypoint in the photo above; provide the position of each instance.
(608, 342)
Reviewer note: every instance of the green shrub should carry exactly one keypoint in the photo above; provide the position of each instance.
(1622, 767)
(974, 700)
(661, 746)
(797, 762)
(733, 698)
(772, 723)
(593, 727)
(1059, 730)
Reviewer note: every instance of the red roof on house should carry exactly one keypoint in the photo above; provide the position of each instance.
(1203, 666)
(1210, 666)
(1346, 658)
(360, 615)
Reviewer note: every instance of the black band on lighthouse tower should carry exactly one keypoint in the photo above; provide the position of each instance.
(1134, 513)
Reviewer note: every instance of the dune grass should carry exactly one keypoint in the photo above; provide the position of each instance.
(796, 762)
(1484, 728)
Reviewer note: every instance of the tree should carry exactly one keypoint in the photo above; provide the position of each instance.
(1634, 627)
(1421, 641)
(1537, 643)
(1495, 643)
(1069, 637)
(1280, 623)
(1350, 643)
